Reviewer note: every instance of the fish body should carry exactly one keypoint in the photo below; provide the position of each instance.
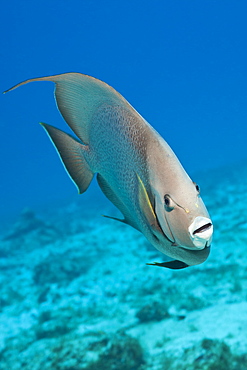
(136, 169)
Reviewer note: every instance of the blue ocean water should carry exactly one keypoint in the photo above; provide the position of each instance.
(75, 290)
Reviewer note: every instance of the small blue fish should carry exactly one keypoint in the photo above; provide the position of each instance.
(136, 169)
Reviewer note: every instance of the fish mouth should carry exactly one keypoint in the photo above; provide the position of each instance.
(202, 228)
(201, 231)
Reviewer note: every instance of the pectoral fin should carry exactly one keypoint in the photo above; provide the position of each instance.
(145, 203)
(174, 265)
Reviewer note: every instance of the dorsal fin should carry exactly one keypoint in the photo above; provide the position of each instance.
(78, 96)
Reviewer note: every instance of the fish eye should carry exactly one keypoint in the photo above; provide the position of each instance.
(167, 200)
(197, 187)
(168, 203)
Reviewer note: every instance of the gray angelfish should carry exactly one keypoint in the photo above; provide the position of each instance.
(136, 169)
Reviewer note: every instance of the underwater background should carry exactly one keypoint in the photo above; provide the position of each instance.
(75, 290)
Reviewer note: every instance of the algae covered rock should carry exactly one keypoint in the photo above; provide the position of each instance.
(208, 354)
(60, 268)
(153, 311)
(93, 351)
(122, 353)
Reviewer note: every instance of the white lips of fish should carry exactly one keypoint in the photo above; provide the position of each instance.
(201, 231)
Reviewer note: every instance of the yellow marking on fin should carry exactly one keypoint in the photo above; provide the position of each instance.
(143, 194)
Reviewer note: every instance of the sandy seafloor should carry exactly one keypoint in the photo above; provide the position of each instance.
(76, 292)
